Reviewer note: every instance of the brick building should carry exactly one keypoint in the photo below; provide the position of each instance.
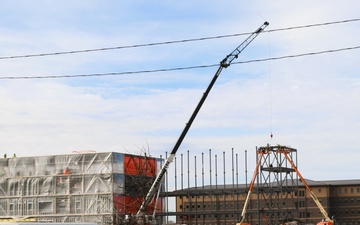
(212, 205)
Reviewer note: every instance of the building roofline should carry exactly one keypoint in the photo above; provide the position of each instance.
(311, 183)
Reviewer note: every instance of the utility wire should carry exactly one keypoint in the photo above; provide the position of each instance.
(172, 42)
(313, 25)
(299, 55)
(179, 68)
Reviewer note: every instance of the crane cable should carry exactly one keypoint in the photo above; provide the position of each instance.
(270, 86)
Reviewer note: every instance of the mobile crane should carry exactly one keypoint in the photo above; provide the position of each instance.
(226, 62)
(285, 151)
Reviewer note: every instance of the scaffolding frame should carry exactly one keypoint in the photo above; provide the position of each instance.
(277, 186)
(78, 188)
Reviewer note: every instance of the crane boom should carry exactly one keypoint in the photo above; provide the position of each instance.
(223, 64)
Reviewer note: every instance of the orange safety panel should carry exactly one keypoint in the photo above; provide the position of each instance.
(131, 205)
(119, 204)
(139, 165)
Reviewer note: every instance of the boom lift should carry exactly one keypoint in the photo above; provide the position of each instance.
(140, 216)
(327, 220)
(242, 216)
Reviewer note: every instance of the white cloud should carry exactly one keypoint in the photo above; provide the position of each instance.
(314, 99)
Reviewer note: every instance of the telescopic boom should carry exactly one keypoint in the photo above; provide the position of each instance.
(223, 64)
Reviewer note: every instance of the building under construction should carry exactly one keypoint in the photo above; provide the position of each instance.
(104, 188)
(278, 195)
(274, 194)
(90, 187)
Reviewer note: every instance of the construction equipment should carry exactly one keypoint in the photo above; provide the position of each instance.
(327, 220)
(285, 151)
(140, 216)
(242, 216)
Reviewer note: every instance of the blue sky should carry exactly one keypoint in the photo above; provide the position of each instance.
(310, 103)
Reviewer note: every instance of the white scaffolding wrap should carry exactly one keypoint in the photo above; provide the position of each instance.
(62, 188)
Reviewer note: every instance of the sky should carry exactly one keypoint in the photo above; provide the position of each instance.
(311, 103)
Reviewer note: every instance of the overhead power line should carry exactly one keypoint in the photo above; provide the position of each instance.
(178, 68)
(172, 42)
(314, 25)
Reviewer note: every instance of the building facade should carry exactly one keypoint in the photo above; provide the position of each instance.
(223, 205)
(85, 187)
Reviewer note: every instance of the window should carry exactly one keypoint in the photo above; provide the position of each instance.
(302, 214)
(301, 193)
(302, 204)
